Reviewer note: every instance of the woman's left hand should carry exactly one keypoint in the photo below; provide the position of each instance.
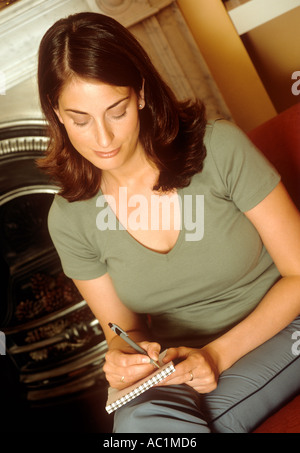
(197, 368)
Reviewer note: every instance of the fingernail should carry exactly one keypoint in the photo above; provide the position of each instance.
(146, 360)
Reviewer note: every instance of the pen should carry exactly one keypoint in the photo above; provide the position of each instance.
(128, 340)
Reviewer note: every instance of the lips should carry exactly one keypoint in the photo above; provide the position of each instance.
(107, 154)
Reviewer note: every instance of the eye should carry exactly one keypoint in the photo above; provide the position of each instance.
(119, 116)
(79, 124)
(79, 120)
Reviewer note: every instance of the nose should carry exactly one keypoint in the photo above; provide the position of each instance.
(103, 134)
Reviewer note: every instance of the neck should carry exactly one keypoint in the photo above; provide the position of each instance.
(138, 175)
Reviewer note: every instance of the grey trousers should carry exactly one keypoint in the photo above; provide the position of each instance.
(247, 393)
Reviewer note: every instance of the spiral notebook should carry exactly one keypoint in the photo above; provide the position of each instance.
(117, 398)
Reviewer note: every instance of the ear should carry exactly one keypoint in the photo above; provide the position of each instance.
(56, 109)
(141, 99)
(58, 115)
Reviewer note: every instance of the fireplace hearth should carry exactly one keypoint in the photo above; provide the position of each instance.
(52, 338)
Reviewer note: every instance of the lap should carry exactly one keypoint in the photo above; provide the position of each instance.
(172, 409)
(255, 386)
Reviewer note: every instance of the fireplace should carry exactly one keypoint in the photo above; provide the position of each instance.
(52, 337)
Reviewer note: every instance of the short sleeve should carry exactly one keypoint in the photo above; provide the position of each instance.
(78, 258)
(248, 177)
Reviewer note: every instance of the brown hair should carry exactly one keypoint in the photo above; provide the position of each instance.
(95, 46)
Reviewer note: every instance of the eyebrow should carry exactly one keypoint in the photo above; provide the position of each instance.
(108, 108)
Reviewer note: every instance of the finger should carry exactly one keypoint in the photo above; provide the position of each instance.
(152, 349)
(172, 379)
(116, 357)
(176, 354)
(124, 376)
(177, 377)
(202, 385)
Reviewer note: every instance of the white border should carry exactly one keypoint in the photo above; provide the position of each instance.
(257, 12)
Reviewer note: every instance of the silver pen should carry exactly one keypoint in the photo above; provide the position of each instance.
(128, 340)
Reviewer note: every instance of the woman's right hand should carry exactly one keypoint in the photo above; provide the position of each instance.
(125, 367)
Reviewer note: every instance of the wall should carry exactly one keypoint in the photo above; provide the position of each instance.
(228, 61)
(274, 48)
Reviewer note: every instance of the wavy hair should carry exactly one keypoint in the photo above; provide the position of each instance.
(95, 46)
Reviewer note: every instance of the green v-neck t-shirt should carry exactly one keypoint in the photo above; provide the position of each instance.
(218, 270)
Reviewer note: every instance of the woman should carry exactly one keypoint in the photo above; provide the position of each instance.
(161, 213)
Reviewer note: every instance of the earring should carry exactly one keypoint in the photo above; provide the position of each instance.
(140, 106)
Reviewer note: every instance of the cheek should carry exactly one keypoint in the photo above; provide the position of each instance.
(131, 130)
(76, 138)
(79, 143)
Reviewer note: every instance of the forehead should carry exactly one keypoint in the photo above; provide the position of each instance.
(84, 91)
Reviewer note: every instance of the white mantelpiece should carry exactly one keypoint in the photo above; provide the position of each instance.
(23, 24)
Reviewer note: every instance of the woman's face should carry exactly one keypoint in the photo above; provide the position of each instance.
(102, 121)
